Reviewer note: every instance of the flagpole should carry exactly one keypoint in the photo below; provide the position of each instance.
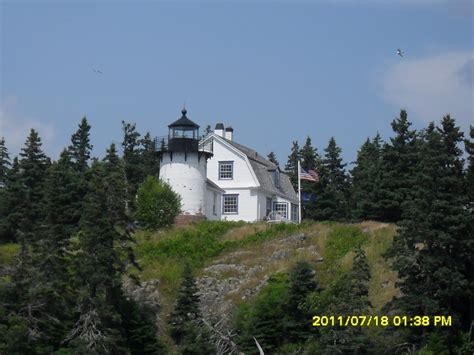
(299, 192)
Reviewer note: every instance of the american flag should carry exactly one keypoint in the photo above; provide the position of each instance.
(309, 175)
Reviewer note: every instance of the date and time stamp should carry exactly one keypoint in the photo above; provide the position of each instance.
(382, 321)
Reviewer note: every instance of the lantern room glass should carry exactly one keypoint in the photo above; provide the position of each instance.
(184, 132)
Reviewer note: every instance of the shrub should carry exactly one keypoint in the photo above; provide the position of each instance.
(157, 204)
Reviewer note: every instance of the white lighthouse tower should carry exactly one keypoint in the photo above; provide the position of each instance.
(183, 165)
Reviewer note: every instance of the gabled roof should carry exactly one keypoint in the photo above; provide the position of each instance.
(264, 169)
(213, 186)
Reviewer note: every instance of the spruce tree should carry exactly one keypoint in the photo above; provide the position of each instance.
(366, 181)
(469, 181)
(187, 306)
(33, 166)
(399, 158)
(310, 159)
(186, 325)
(291, 166)
(149, 157)
(116, 188)
(272, 157)
(97, 326)
(12, 197)
(332, 189)
(80, 148)
(302, 283)
(432, 250)
(4, 163)
(132, 161)
(346, 296)
(5, 205)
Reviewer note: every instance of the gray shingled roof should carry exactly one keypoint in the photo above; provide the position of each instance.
(263, 170)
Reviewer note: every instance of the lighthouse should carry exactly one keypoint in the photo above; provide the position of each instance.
(183, 165)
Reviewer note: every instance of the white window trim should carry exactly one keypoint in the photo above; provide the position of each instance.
(231, 163)
(237, 203)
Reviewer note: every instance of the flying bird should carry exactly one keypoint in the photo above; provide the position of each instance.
(399, 52)
(97, 71)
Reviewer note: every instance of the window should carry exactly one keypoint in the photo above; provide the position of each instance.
(230, 204)
(214, 204)
(226, 170)
(276, 178)
(294, 212)
(269, 205)
(281, 208)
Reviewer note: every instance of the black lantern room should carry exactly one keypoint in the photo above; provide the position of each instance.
(183, 135)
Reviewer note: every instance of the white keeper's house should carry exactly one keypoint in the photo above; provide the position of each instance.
(219, 179)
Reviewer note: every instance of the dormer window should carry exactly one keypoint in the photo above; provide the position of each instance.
(276, 177)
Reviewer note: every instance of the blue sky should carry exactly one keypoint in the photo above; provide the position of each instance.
(275, 71)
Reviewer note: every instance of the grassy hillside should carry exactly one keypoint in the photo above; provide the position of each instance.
(237, 258)
(240, 257)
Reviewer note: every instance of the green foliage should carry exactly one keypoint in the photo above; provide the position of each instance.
(366, 180)
(157, 204)
(185, 320)
(150, 162)
(302, 283)
(291, 166)
(399, 159)
(332, 189)
(132, 161)
(272, 157)
(346, 296)
(265, 318)
(116, 187)
(342, 239)
(4, 162)
(432, 252)
(80, 148)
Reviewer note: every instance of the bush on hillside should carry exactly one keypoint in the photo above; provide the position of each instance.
(157, 204)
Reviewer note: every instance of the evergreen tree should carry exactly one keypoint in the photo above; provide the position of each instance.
(302, 283)
(32, 167)
(272, 157)
(98, 278)
(149, 157)
(347, 296)
(80, 148)
(4, 163)
(432, 250)
(132, 161)
(310, 159)
(469, 146)
(5, 206)
(291, 166)
(366, 180)
(332, 189)
(185, 320)
(116, 188)
(398, 167)
(187, 306)
(12, 197)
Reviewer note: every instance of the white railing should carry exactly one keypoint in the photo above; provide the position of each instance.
(276, 217)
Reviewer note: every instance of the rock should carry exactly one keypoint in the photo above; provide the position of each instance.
(280, 254)
(221, 268)
(145, 293)
(366, 230)
(254, 270)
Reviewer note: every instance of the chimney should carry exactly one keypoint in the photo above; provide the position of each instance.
(219, 130)
(229, 133)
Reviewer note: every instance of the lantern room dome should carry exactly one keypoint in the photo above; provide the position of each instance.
(184, 122)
